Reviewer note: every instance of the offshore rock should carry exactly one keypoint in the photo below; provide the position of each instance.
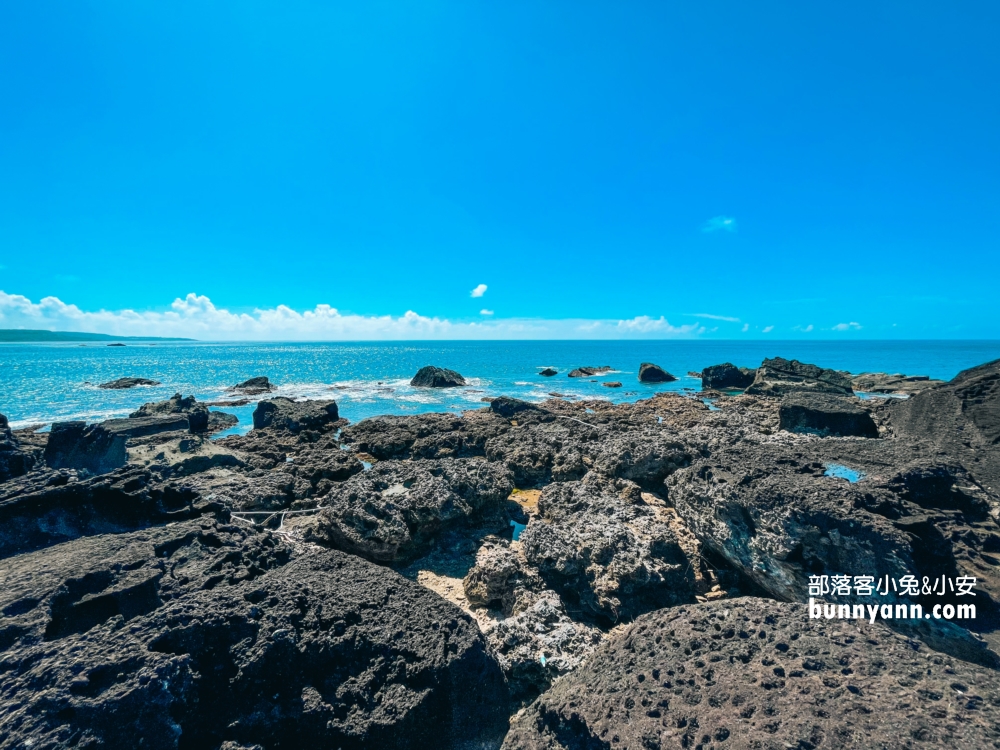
(548, 372)
(752, 673)
(254, 386)
(436, 377)
(123, 383)
(727, 377)
(294, 416)
(777, 377)
(74, 445)
(206, 635)
(823, 414)
(650, 373)
(586, 372)
(611, 555)
(396, 510)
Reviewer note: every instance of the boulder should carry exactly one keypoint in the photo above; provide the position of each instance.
(824, 414)
(207, 635)
(436, 377)
(548, 372)
(727, 377)
(650, 373)
(74, 445)
(758, 673)
(508, 408)
(294, 416)
(586, 372)
(200, 419)
(611, 555)
(14, 460)
(254, 386)
(776, 377)
(494, 578)
(612, 384)
(880, 382)
(396, 510)
(123, 383)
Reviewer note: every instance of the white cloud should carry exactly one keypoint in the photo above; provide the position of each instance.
(714, 317)
(746, 327)
(805, 329)
(484, 311)
(720, 224)
(852, 326)
(195, 316)
(479, 291)
(768, 329)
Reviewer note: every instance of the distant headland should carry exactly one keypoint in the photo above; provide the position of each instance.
(21, 335)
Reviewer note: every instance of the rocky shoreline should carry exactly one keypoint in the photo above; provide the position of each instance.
(559, 575)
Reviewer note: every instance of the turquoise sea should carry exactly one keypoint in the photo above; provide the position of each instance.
(42, 383)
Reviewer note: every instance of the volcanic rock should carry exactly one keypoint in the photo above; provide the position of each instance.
(548, 372)
(880, 382)
(254, 386)
(508, 408)
(14, 460)
(426, 435)
(612, 384)
(776, 377)
(754, 673)
(824, 414)
(123, 383)
(650, 373)
(436, 377)
(207, 635)
(586, 372)
(727, 377)
(294, 416)
(74, 445)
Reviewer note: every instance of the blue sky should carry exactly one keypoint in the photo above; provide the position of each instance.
(604, 169)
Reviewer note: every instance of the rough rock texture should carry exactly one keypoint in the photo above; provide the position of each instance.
(199, 418)
(495, 577)
(51, 507)
(880, 382)
(74, 445)
(605, 550)
(179, 456)
(14, 460)
(254, 386)
(824, 414)
(752, 673)
(612, 384)
(727, 377)
(285, 414)
(650, 373)
(426, 435)
(135, 427)
(508, 408)
(199, 634)
(396, 510)
(436, 377)
(776, 377)
(586, 372)
(123, 383)
(646, 456)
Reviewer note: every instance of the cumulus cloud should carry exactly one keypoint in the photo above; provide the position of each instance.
(746, 327)
(479, 291)
(714, 317)
(720, 224)
(852, 326)
(484, 311)
(768, 329)
(805, 329)
(196, 316)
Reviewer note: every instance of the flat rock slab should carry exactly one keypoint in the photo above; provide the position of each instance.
(123, 383)
(199, 634)
(825, 414)
(778, 376)
(754, 673)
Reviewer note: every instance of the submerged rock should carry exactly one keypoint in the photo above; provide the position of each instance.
(254, 386)
(74, 445)
(824, 414)
(436, 377)
(206, 635)
(586, 372)
(123, 383)
(727, 377)
(294, 416)
(753, 672)
(650, 373)
(777, 377)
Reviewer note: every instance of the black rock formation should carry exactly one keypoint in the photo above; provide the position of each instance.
(254, 386)
(294, 416)
(824, 414)
(776, 377)
(123, 383)
(436, 377)
(586, 372)
(650, 373)
(727, 377)
(74, 445)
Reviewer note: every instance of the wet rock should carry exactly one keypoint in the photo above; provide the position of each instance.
(727, 377)
(586, 372)
(254, 386)
(824, 414)
(607, 552)
(650, 373)
(880, 382)
(123, 383)
(548, 372)
(294, 416)
(777, 377)
(396, 510)
(436, 377)
(45, 508)
(612, 384)
(206, 635)
(14, 460)
(753, 672)
(74, 445)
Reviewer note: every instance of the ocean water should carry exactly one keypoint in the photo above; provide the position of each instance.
(42, 383)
